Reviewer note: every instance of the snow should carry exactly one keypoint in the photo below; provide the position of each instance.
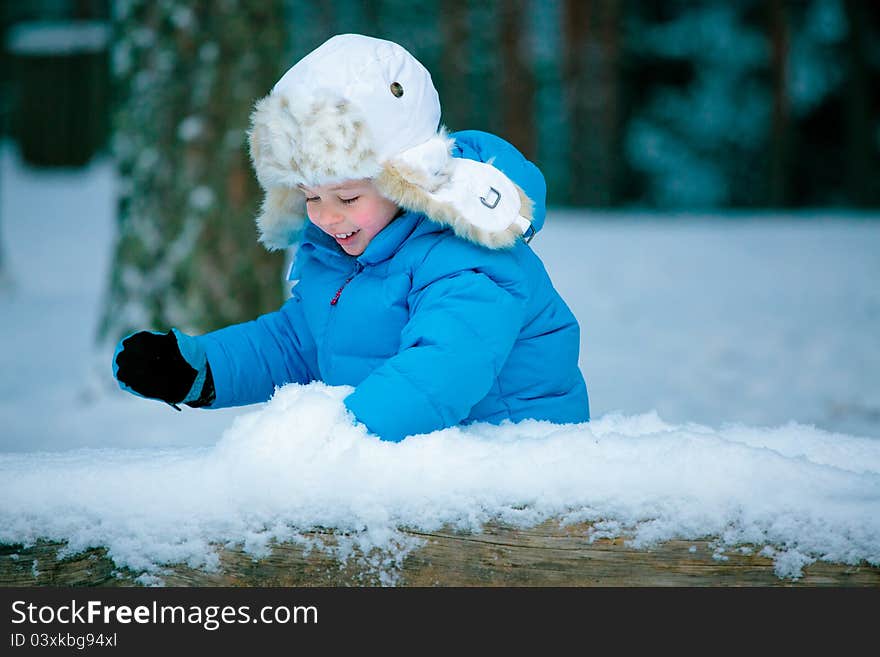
(737, 319)
(731, 363)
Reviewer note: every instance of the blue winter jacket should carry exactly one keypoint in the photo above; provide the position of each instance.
(430, 329)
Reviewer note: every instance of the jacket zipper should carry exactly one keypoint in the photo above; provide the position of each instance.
(358, 268)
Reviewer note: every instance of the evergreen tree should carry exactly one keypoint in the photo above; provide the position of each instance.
(186, 75)
(699, 135)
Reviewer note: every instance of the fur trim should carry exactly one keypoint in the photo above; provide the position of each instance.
(281, 217)
(309, 143)
(461, 202)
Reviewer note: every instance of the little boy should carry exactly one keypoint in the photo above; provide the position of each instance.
(414, 282)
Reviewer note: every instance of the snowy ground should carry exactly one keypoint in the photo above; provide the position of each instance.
(732, 364)
(742, 318)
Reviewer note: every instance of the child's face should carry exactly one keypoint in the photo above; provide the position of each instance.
(352, 212)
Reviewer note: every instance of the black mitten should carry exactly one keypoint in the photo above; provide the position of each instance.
(151, 365)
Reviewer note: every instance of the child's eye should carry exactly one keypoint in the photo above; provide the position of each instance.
(348, 201)
(312, 199)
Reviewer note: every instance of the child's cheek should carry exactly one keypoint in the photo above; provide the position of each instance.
(363, 219)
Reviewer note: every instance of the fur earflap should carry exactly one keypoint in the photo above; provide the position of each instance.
(475, 199)
(291, 144)
(281, 217)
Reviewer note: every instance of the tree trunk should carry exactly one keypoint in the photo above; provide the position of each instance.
(781, 139)
(518, 81)
(188, 74)
(859, 134)
(453, 81)
(591, 61)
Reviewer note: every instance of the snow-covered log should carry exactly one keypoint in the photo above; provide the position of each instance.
(549, 554)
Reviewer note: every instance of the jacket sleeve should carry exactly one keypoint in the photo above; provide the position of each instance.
(486, 147)
(249, 360)
(462, 327)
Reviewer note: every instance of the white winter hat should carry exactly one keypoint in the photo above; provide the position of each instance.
(359, 107)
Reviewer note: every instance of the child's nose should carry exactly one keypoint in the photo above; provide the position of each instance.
(330, 217)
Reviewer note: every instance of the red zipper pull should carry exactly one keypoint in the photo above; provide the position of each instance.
(335, 298)
(358, 268)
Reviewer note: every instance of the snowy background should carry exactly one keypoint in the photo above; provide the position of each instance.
(732, 363)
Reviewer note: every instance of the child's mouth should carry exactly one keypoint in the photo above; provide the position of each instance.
(345, 238)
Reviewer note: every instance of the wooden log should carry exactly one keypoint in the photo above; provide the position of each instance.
(549, 554)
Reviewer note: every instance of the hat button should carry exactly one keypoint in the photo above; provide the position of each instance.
(396, 89)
